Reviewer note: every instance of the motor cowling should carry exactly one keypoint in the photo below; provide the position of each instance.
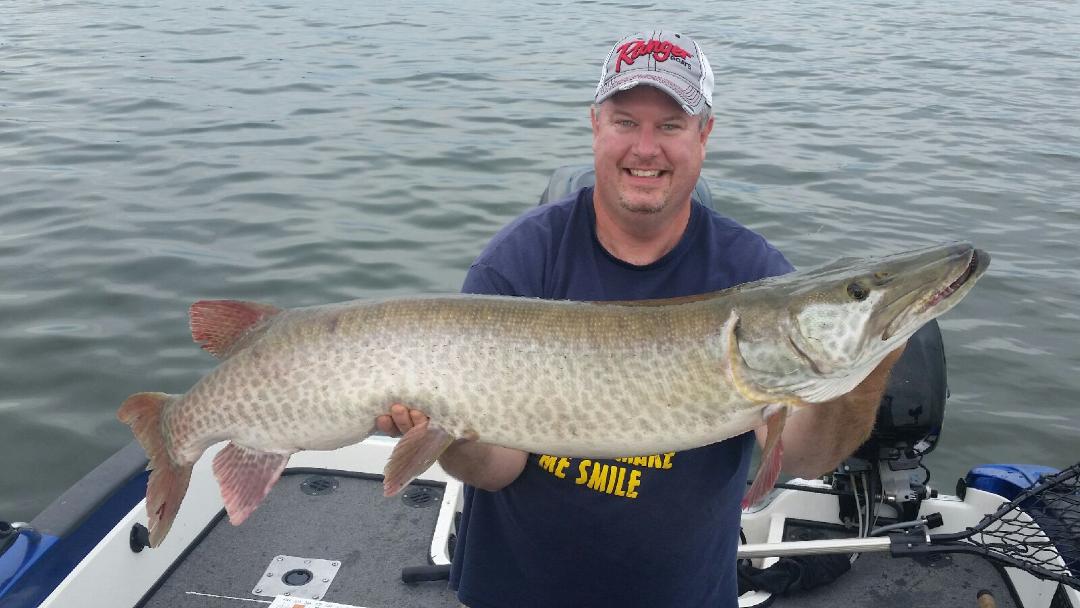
(908, 427)
(912, 408)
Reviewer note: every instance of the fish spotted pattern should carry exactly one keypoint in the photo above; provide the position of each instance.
(577, 379)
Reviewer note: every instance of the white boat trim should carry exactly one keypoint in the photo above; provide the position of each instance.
(93, 581)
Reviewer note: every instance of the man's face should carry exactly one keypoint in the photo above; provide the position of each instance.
(648, 151)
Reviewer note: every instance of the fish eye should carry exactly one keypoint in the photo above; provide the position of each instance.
(857, 291)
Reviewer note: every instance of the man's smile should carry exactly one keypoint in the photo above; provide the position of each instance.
(645, 173)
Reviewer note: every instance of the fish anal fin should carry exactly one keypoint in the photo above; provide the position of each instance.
(414, 453)
(168, 479)
(218, 325)
(772, 457)
(245, 477)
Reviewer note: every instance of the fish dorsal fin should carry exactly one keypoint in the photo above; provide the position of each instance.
(220, 325)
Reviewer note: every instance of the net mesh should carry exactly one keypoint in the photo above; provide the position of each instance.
(1039, 530)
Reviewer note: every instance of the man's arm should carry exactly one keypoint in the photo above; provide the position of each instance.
(818, 438)
(481, 465)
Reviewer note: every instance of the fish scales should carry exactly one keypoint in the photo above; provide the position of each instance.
(511, 371)
(567, 378)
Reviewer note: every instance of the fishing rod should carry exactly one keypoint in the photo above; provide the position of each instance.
(1037, 532)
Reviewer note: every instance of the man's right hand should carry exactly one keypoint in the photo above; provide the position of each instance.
(482, 465)
(399, 420)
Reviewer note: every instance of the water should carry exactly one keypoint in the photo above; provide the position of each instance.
(152, 154)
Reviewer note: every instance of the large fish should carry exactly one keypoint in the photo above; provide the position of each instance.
(577, 379)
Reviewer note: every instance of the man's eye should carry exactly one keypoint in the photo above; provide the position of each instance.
(671, 127)
(624, 123)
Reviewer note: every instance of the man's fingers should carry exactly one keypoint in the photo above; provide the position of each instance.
(399, 420)
(401, 417)
(418, 417)
(385, 424)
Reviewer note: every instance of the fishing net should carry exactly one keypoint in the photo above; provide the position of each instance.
(1038, 531)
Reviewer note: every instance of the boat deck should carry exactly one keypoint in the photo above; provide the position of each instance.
(373, 538)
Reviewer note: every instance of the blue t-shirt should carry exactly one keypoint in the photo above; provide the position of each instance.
(654, 531)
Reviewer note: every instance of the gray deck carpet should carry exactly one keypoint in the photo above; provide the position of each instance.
(373, 537)
(879, 580)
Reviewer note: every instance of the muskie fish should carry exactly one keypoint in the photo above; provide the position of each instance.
(577, 379)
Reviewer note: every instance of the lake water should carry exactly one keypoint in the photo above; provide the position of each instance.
(156, 153)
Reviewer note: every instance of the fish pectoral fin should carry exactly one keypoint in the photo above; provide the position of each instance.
(414, 453)
(772, 456)
(220, 324)
(245, 477)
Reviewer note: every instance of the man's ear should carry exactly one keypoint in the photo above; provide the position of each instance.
(594, 119)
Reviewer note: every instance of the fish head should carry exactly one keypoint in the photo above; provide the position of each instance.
(838, 321)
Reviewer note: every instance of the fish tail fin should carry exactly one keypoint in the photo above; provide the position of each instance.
(772, 457)
(417, 450)
(168, 479)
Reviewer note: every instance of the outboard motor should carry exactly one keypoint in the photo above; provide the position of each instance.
(908, 426)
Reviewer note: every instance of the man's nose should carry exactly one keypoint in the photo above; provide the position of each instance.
(646, 144)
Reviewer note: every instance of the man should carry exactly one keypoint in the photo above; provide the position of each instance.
(541, 530)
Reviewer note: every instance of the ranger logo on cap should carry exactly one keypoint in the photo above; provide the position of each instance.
(668, 61)
(660, 51)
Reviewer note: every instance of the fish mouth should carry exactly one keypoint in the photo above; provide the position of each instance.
(926, 306)
(951, 288)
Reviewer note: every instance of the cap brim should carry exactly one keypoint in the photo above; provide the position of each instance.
(687, 96)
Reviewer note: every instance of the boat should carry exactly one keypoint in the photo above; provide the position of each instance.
(326, 537)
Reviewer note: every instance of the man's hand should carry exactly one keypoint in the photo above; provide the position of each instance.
(399, 420)
(482, 465)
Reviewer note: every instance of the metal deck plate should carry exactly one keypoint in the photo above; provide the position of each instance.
(292, 576)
